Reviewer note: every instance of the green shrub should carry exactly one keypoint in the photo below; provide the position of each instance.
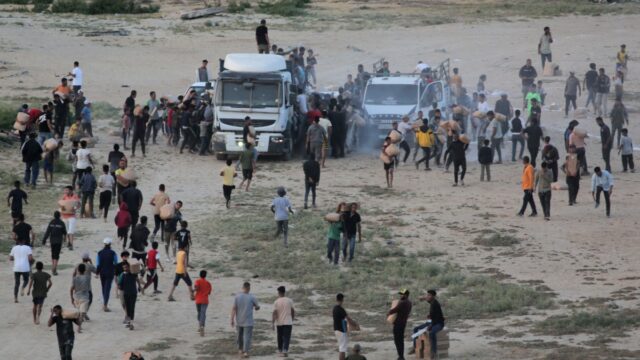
(7, 116)
(41, 5)
(284, 7)
(69, 6)
(613, 323)
(238, 7)
(14, 2)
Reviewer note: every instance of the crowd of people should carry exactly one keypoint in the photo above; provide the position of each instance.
(190, 117)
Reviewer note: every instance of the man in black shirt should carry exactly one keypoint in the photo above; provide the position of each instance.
(31, 156)
(139, 240)
(340, 319)
(311, 170)
(130, 104)
(435, 325)
(550, 155)
(352, 228)
(402, 311)
(57, 231)
(133, 198)
(456, 151)
(528, 76)
(607, 142)
(23, 232)
(64, 330)
(61, 114)
(589, 84)
(533, 134)
(262, 37)
(15, 199)
(516, 136)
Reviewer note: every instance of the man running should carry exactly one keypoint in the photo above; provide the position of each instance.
(242, 318)
(57, 231)
(15, 199)
(159, 200)
(181, 273)
(40, 283)
(282, 320)
(106, 262)
(22, 257)
(202, 291)
(64, 331)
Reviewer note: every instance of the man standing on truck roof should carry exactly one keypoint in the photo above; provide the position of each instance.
(262, 37)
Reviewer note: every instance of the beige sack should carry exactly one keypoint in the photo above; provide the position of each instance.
(67, 207)
(50, 144)
(464, 138)
(332, 217)
(548, 69)
(135, 266)
(70, 314)
(167, 211)
(385, 159)
(115, 133)
(137, 111)
(558, 186)
(580, 132)
(359, 120)
(392, 318)
(479, 114)
(87, 209)
(130, 174)
(395, 136)
(500, 117)
(20, 127)
(392, 150)
(23, 118)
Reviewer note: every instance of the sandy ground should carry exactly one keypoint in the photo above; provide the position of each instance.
(579, 254)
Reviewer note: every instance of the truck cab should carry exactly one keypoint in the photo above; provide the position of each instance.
(389, 98)
(258, 86)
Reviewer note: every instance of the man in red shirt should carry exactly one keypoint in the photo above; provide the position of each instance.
(203, 290)
(153, 261)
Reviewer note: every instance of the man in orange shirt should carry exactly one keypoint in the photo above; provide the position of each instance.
(203, 290)
(528, 181)
(69, 214)
(63, 88)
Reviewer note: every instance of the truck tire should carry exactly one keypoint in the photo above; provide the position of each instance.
(221, 156)
(288, 155)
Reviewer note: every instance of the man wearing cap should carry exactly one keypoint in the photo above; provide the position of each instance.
(106, 262)
(282, 320)
(402, 311)
(355, 354)
(571, 92)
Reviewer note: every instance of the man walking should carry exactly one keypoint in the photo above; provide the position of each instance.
(352, 227)
(311, 170)
(31, 156)
(340, 320)
(88, 186)
(181, 273)
(64, 331)
(242, 318)
(282, 321)
(516, 136)
(23, 232)
(202, 291)
(607, 143)
(80, 291)
(315, 138)
(154, 117)
(589, 84)
(106, 262)
(22, 258)
(128, 284)
(571, 92)
(15, 199)
(619, 117)
(281, 208)
(603, 85)
(158, 201)
(550, 155)
(402, 310)
(528, 182)
(571, 168)
(248, 164)
(133, 198)
(69, 217)
(626, 150)
(544, 177)
(485, 158)
(602, 182)
(533, 134)
(57, 231)
(40, 283)
(528, 76)
(544, 46)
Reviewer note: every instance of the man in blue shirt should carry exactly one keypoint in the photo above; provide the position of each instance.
(281, 207)
(106, 264)
(602, 182)
(87, 116)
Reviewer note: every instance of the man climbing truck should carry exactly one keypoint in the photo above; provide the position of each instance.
(258, 86)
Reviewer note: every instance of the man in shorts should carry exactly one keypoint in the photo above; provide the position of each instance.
(170, 229)
(40, 283)
(340, 319)
(248, 163)
(70, 217)
(181, 273)
(15, 199)
(57, 231)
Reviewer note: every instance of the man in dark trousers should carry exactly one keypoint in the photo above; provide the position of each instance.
(106, 262)
(133, 198)
(31, 156)
(402, 311)
(311, 170)
(64, 330)
(550, 155)
(262, 37)
(15, 199)
(607, 143)
(57, 231)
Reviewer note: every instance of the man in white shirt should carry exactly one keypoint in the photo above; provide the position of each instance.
(328, 129)
(544, 46)
(420, 67)
(302, 103)
(78, 77)
(282, 320)
(22, 257)
(84, 159)
(602, 182)
(494, 133)
(405, 128)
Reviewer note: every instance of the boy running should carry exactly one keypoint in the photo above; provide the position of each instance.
(41, 283)
(202, 291)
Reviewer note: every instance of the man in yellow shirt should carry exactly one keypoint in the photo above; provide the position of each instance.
(426, 140)
(528, 181)
(228, 173)
(181, 272)
(621, 60)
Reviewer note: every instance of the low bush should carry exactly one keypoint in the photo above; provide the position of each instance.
(98, 7)
(612, 323)
(238, 6)
(7, 116)
(284, 7)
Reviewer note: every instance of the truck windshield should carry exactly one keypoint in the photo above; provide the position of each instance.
(255, 95)
(391, 94)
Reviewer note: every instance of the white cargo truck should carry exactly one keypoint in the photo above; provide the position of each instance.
(258, 86)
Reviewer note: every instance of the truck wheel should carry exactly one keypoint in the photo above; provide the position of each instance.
(221, 156)
(288, 154)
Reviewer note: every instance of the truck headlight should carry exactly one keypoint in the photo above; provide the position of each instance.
(277, 139)
(218, 137)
